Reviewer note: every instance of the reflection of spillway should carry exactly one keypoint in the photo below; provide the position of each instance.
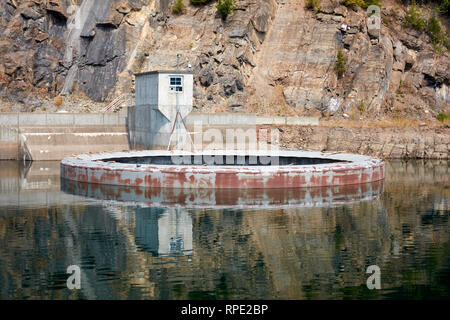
(224, 198)
(164, 231)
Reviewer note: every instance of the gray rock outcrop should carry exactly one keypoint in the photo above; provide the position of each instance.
(266, 56)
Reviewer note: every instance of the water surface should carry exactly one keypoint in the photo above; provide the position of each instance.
(317, 246)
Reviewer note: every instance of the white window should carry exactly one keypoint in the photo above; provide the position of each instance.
(176, 84)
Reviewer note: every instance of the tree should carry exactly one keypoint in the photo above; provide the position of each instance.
(414, 18)
(178, 7)
(225, 7)
(341, 61)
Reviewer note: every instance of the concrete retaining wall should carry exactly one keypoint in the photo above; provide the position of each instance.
(145, 125)
(239, 119)
(57, 146)
(53, 136)
(9, 143)
(149, 129)
(62, 119)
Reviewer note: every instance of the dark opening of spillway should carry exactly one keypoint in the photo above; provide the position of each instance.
(223, 160)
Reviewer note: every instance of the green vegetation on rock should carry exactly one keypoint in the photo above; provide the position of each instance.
(414, 18)
(361, 3)
(178, 7)
(313, 5)
(444, 7)
(341, 61)
(225, 7)
(362, 106)
(442, 116)
(438, 37)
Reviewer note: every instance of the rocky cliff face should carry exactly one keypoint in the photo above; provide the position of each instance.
(59, 47)
(269, 56)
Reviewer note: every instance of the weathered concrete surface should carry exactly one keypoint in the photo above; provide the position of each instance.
(72, 133)
(21, 119)
(91, 169)
(53, 136)
(55, 143)
(235, 119)
(149, 129)
(9, 143)
(386, 143)
(56, 146)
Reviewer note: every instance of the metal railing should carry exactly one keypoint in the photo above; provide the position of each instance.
(114, 105)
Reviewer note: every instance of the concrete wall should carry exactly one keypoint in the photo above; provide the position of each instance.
(57, 146)
(239, 119)
(23, 119)
(53, 136)
(9, 143)
(148, 128)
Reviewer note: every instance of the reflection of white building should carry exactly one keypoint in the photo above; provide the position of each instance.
(164, 231)
(175, 232)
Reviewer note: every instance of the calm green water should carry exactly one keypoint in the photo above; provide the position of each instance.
(316, 247)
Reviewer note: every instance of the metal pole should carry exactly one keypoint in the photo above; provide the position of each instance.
(177, 102)
(147, 56)
(178, 61)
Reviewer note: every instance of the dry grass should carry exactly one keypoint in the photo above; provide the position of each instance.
(58, 101)
(383, 123)
(446, 122)
(276, 106)
(216, 108)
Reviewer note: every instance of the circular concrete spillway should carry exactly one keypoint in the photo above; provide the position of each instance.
(223, 169)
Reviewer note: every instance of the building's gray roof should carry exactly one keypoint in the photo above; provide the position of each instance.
(164, 71)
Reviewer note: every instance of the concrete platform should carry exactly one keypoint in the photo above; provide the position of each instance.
(106, 169)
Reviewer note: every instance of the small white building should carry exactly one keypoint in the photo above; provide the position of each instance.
(162, 97)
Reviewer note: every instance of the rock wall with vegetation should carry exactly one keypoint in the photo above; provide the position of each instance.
(281, 57)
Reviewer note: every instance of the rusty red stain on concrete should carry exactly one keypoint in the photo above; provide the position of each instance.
(355, 170)
(138, 181)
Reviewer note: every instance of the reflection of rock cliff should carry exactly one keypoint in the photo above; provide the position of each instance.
(266, 55)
